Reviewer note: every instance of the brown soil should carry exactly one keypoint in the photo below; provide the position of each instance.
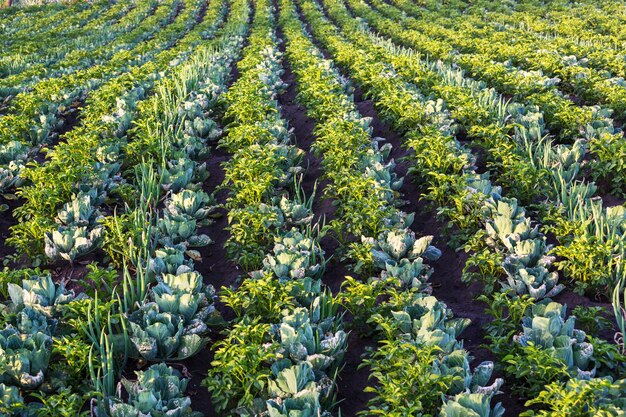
(6, 221)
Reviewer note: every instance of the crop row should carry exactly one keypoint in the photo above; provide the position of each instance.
(513, 137)
(508, 231)
(122, 207)
(161, 308)
(23, 69)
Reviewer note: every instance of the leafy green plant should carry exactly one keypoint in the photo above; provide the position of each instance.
(71, 243)
(24, 358)
(261, 296)
(471, 405)
(195, 204)
(11, 402)
(526, 262)
(158, 335)
(239, 373)
(609, 357)
(548, 328)
(63, 403)
(313, 340)
(41, 294)
(580, 398)
(507, 312)
(395, 245)
(591, 319)
(159, 391)
(185, 295)
(406, 384)
(533, 367)
(296, 256)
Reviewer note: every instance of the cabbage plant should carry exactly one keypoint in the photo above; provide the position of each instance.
(41, 294)
(470, 405)
(79, 212)
(170, 260)
(548, 328)
(295, 256)
(313, 342)
(9, 176)
(181, 229)
(11, 402)
(177, 174)
(412, 274)
(158, 392)
(24, 357)
(185, 295)
(13, 156)
(69, 243)
(296, 213)
(428, 321)
(396, 244)
(195, 204)
(526, 261)
(158, 335)
(457, 363)
(294, 391)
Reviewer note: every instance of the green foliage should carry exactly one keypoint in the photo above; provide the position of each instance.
(531, 368)
(580, 398)
(15, 276)
(159, 391)
(261, 296)
(592, 320)
(24, 358)
(406, 384)
(157, 335)
(238, 374)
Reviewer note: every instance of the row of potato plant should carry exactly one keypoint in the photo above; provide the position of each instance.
(581, 362)
(512, 48)
(34, 114)
(411, 324)
(104, 122)
(179, 302)
(282, 352)
(555, 167)
(24, 69)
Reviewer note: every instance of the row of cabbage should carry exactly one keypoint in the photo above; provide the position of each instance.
(281, 353)
(591, 78)
(162, 309)
(88, 166)
(521, 254)
(419, 365)
(516, 153)
(30, 64)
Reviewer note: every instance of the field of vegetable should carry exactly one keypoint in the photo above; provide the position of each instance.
(313, 208)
